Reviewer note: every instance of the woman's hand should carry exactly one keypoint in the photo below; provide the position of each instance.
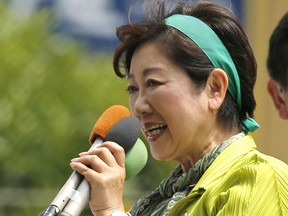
(104, 169)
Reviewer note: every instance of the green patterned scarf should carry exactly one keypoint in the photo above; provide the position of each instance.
(177, 185)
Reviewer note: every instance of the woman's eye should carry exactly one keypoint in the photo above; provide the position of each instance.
(151, 83)
(131, 89)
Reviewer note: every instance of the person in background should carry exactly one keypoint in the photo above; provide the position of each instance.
(277, 64)
(191, 73)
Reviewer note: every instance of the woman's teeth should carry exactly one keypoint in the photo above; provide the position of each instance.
(155, 130)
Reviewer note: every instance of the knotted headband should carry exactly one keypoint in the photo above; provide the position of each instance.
(208, 41)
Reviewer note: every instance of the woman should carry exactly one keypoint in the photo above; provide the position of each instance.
(191, 74)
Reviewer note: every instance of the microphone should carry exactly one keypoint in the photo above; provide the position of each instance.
(125, 132)
(134, 163)
(103, 125)
(115, 124)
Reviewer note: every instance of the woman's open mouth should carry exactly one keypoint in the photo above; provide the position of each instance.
(155, 130)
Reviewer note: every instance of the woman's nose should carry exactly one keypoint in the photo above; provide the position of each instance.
(141, 105)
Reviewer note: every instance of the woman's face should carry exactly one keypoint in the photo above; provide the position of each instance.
(174, 115)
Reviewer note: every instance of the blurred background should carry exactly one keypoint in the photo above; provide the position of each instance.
(56, 79)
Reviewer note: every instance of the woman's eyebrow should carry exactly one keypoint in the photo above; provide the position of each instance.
(145, 72)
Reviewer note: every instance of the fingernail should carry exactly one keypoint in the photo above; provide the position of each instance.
(83, 153)
(72, 164)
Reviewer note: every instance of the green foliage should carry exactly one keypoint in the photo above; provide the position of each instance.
(51, 93)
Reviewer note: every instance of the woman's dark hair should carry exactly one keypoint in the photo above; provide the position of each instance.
(182, 51)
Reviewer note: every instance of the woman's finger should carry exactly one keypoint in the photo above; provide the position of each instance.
(115, 153)
(84, 170)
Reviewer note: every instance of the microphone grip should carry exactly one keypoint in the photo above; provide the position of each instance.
(64, 195)
(68, 190)
(81, 195)
(79, 201)
(136, 159)
(71, 185)
(52, 210)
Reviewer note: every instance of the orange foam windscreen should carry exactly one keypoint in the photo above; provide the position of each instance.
(106, 121)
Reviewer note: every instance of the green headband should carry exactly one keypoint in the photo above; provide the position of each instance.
(206, 39)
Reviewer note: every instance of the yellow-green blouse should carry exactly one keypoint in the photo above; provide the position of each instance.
(240, 182)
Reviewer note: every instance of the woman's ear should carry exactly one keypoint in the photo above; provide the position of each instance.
(277, 96)
(218, 84)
